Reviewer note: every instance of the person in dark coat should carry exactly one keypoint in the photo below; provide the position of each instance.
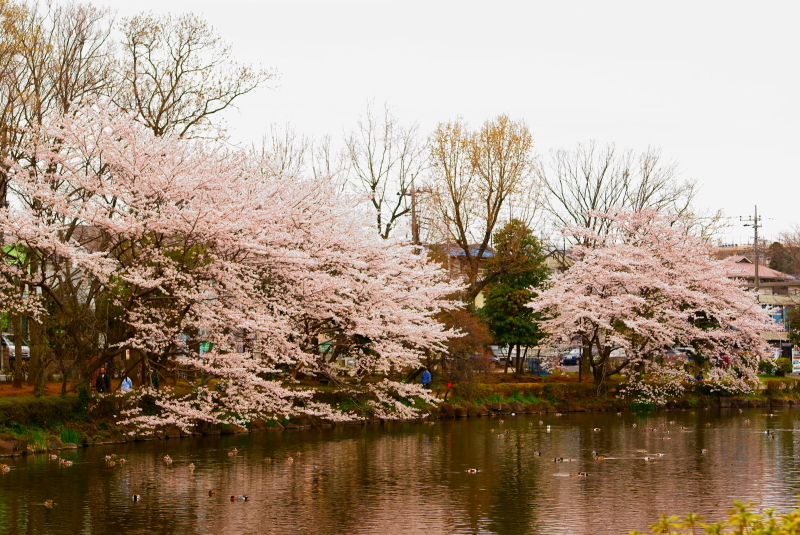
(426, 378)
(103, 381)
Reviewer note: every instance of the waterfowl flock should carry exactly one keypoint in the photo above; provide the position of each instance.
(635, 432)
(111, 461)
(662, 430)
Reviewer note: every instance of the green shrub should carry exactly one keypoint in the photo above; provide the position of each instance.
(70, 436)
(347, 404)
(783, 366)
(83, 398)
(743, 519)
(525, 398)
(524, 392)
(37, 439)
(775, 384)
(767, 367)
(33, 410)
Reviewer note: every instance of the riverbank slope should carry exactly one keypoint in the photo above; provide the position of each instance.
(31, 424)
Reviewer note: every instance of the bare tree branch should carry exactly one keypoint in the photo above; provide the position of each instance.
(384, 160)
(177, 72)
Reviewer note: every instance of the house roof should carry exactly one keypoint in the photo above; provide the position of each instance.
(742, 267)
(473, 251)
(455, 251)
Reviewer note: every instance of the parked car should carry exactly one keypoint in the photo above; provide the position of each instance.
(7, 342)
(571, 360)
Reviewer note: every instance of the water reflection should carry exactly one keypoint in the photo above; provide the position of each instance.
(414, 478)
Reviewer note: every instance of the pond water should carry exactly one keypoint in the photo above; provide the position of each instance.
(414, 478)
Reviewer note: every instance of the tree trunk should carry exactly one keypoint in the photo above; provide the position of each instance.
(16, 329)
(521, 361)
(35, 345)
(600, 367)
(585, 363)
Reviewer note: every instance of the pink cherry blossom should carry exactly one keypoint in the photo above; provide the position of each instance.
(193, 243)
(647, 286)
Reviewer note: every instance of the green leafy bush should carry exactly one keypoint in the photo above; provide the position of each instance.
(783, 366)
(766, 367)
(743, 519)
(83, 398)
(33, 410)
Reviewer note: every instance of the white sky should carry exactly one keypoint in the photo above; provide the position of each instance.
(714, 84)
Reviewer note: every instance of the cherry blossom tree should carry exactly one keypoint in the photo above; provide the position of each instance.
(649, 285)
(191, 245)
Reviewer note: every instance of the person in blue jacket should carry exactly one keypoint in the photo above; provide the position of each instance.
(426, 378)
(125, 385)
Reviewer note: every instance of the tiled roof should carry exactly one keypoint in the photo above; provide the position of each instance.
(741, 266)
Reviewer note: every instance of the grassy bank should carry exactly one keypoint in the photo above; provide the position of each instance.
(564, 395)
(49, 422)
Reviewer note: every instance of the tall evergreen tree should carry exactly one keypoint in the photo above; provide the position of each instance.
(519, 258)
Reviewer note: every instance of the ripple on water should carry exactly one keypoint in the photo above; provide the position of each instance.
(408, 478)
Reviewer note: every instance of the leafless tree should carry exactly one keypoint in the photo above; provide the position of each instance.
(591, 179)
(384, 160)
(284, 149)
(326, 162)
(176, 73)
(477, 179)
(12, 21)
(285, 152)
(68, 54)
(64, 54)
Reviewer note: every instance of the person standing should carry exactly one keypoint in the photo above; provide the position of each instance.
(426, 378)
(125, 385)
(103, 381)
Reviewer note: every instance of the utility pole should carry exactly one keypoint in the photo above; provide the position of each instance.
(754, 222)
(412, 192)
(414, 222)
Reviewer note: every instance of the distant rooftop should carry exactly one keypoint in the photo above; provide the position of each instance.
(455, 251)
(742, 267)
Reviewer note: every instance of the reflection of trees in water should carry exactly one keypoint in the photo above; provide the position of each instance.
(401, 478)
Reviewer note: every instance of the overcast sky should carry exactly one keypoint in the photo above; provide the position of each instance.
(714, 84)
